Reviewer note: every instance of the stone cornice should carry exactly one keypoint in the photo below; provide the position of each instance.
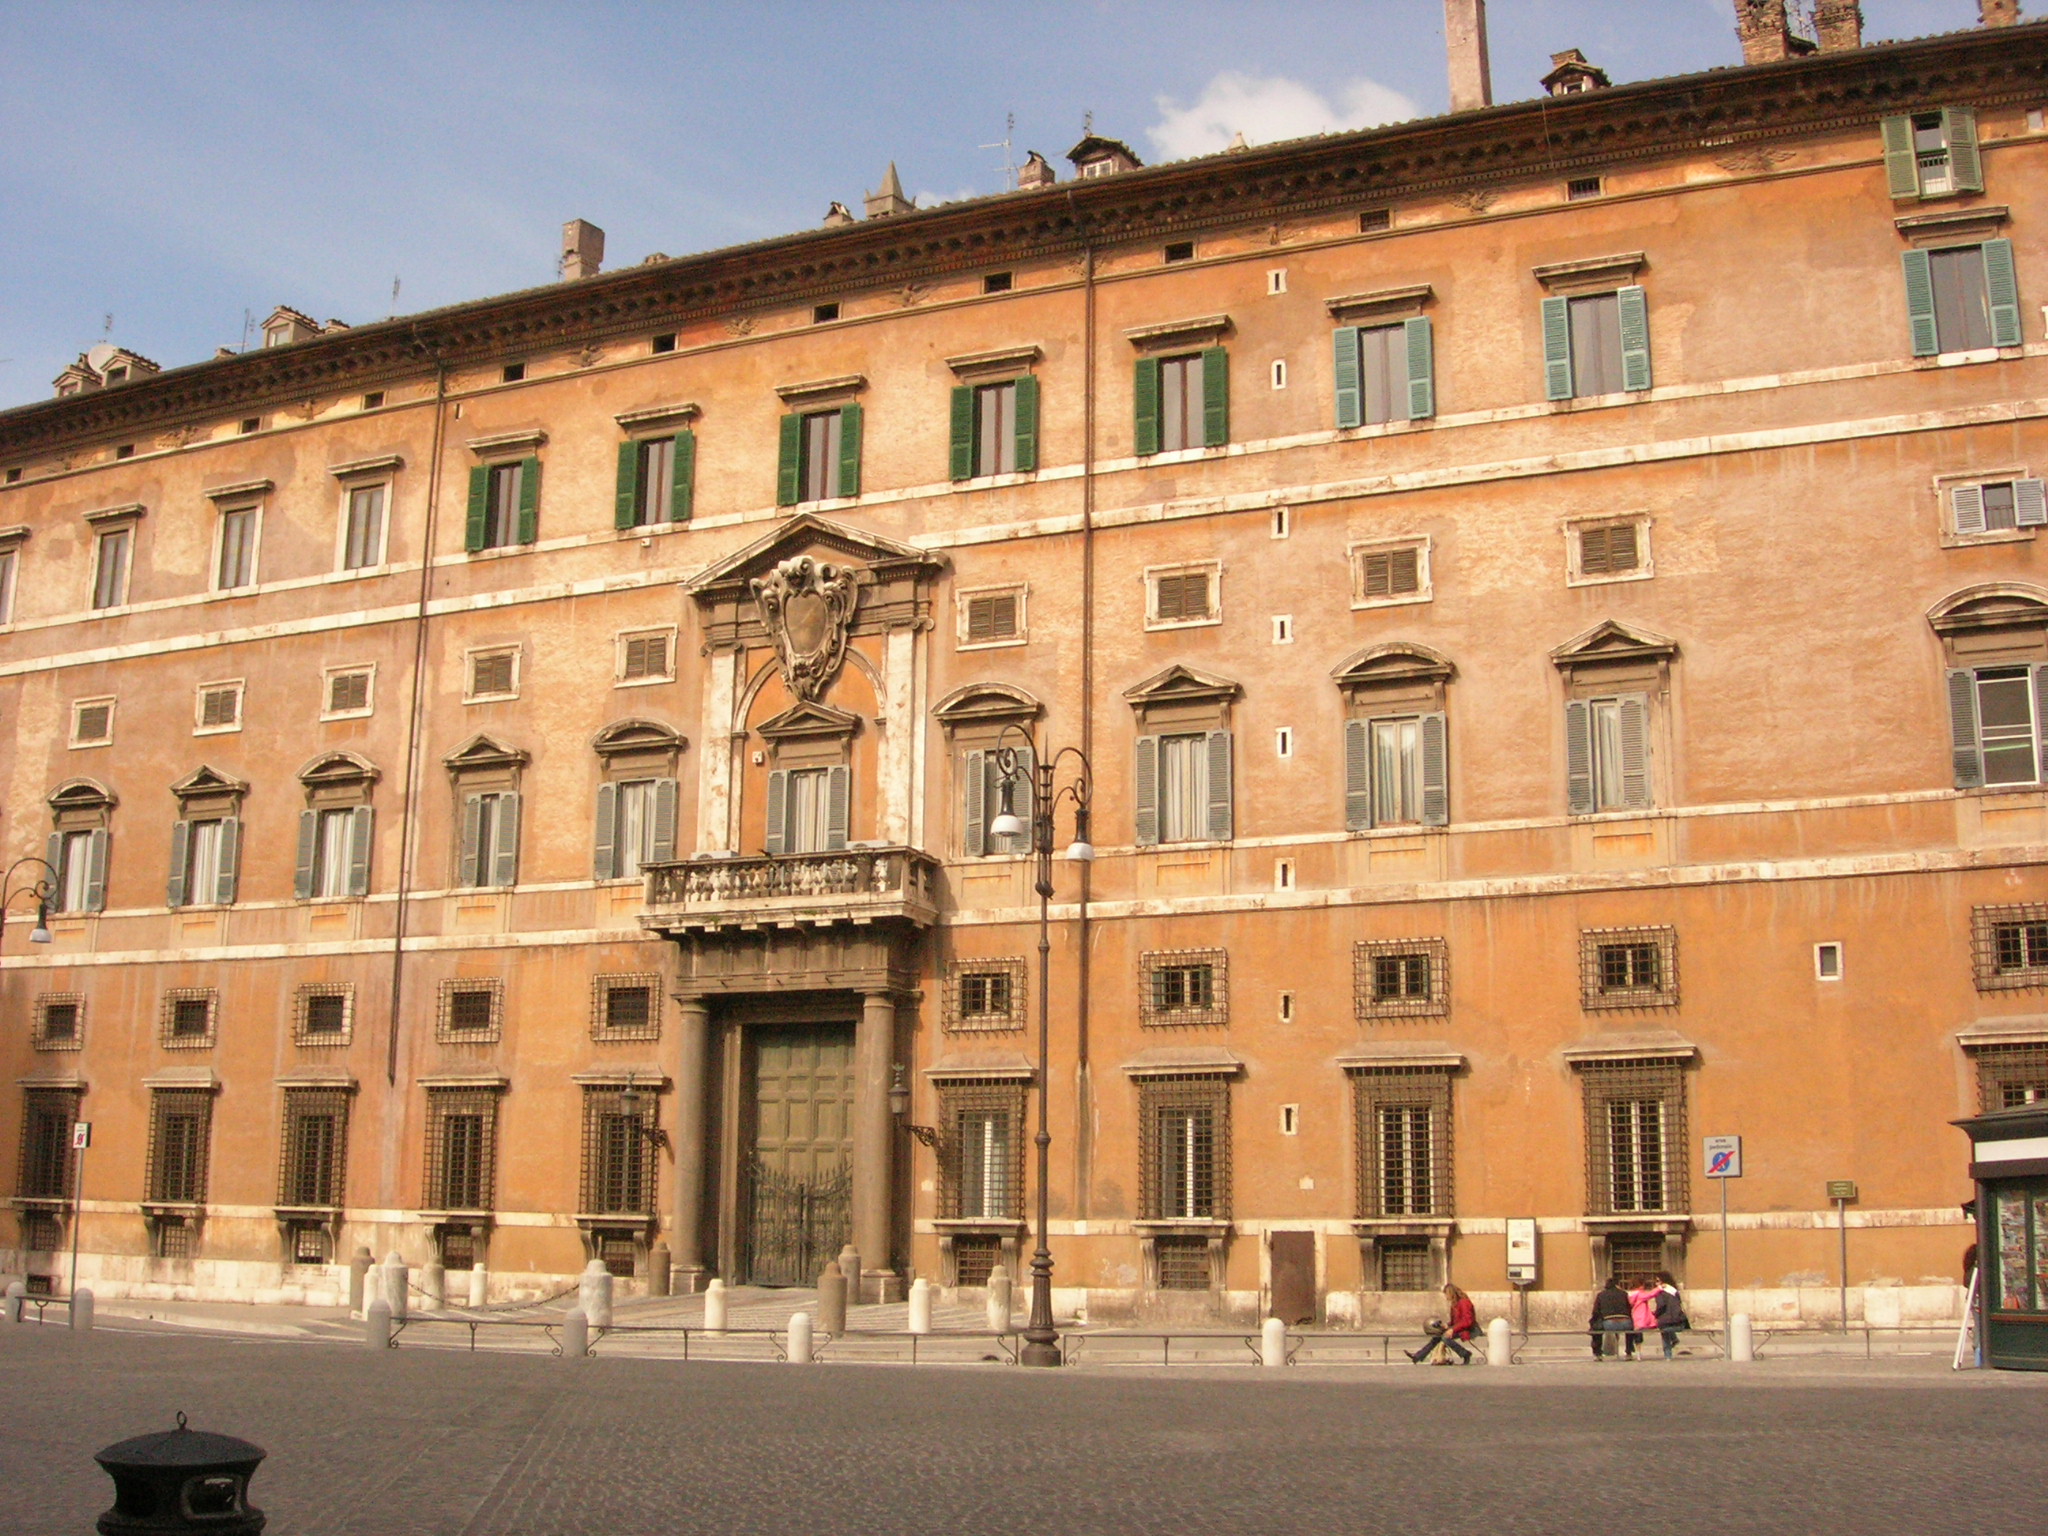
(1548, 137)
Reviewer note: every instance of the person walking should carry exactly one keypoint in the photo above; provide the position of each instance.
(1642, 1313)
(1462, 1324)
(1611, 1315)
(1669, 1308)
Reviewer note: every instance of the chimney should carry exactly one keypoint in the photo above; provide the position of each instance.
(1036, 171)
(837, 215)
(890, 199)
(582, 249)
(1465, 36)
(1765, 33)
(1998, 13)
(1839, 23)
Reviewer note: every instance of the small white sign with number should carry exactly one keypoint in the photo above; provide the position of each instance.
(81, 1134)
(1724, 1157)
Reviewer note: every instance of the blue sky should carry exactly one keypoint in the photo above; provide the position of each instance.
(178, 165)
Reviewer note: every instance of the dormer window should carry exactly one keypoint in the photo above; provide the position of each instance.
(1932, 154)
(287, 325)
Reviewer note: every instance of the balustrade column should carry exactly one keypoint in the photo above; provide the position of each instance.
(694, 1040)
(874, 1134)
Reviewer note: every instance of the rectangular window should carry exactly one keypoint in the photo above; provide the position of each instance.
(92, 722)
(1180, 250)
(1596, 344)
(2008, 734)
(470, 1009)
(333, 847)
(237, 564)
(1393, 978)
(461, 1149)
(991, 618)
(1385, 373)
(635, 826)
(995, 429)
(1185, 1124)
(110, 567)
(618, 1152)
(204, 850)
(47, 1116)
(59, 1021)
(1930, 155)
(179, 1122)
(986, 994)
(1608, 551)
(1390, 573)
(1607, 753)
(1374, 220)
(1183, 987)
(1183, 788)
(504, 483)
(1404, 1141)
(807, 828)
(1180, 403)
(10, 561)
(1962, 299)
(489, 854)
(626, 1008)
(998, 282)
(188, 1016)
(2009, 945)
(314, 1159)
(348, 693)
(1181, 597)
(1580, 188)
(1628, 967)
(76, 856)
(655, 481)
(1396, 771)
(2012, 1076)
(1636, 1146)
(644, 658)
(1998, 506)
(823, 439)
(363, 537)
(493, 675)
(324, 1014)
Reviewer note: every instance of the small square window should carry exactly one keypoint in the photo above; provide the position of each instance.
(325, 1014)
(1579, 188)
(1183, 595)
(188, 1017)
(1629, 968)
(998, 282)
(125, 451)
(1827, 961)
(1614, 549)
(513, 373)
(59, 1021)
(349, 691)
(92, 722)
(1389, 572)
(1400, 978)
(493, 675)
(663, 343)
(994, 617)
(470, 1009)
(626, 1007)
(1375, 220)
(647, 657)
(251, 424)
(821, 313)
(373, 400)
(14, 476)
(2010, 946)
(1185, 986)
(1180, 250)
(219, 708)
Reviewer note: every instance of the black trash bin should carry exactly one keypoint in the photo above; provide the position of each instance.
(181, 1480)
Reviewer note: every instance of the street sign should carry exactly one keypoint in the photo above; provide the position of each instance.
(1522, 1250)
(81, 1135)
(1724, 1157)
(1841, 1189)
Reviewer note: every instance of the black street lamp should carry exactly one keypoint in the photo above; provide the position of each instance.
(1041, 780)
(43, 887)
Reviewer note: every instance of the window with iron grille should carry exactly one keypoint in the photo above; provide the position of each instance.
(323, 1013)
(1406, 1264)
(617, 1249)
(1636, 1147)
(2010, 946)
(1184, 1151)
(2012, 1076)
(975, 1256)
(471, 1009)
(462, 1149)
(1633, 1257)
(174, 1237)
(313, 1155)
(308, 1242)
(41, 1233)
(1400, 978)
(60, 1021)
(457, 1247)
(625, 1007)
(1183, 986)
(179, 1122)
(618, 1153)
(44, 1172)
(1183, 1261)
(981, 1140)
(986, 994)
(1403, 1141)
(188, 1017)
(1628, 967)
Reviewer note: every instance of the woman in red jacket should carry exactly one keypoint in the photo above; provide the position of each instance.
(1463, 1324)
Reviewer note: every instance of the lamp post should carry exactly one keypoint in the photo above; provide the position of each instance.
(42, 887)
(1041, 781)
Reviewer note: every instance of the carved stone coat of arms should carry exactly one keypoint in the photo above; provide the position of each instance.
(807, 606)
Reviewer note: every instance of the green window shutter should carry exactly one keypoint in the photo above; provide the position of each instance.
(1421, 340)
(1920, 302)
(1557, 349)
(1357, 775)
(467, 874)
(1436, 788)
(1635, 751)
(849, 449)
(529, 499)
(1350, 390)
(977, 775)
(181, 844)
(1901, 166)
(1145, 405)
(359, 851)
(664, 840)
(53, 851)
(607, 854)
(302, 873)
(789, 461)
(1145, 791)
(775, 838)
(1215, 396)
(682, 478)
(1027, 424)
(1965, 164)
(838, 794)
(1965, 752)
(96, 870)
(504, 870)
(1634, 305)
(1578, 757)
(626, 507)
(230, 860)
(1219, 786)
(961, 451)
(2001, 286)
(479, 506)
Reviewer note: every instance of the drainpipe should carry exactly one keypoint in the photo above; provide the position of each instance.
(1084, 1086)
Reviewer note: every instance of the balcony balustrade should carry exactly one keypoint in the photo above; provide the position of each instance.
(849, 885)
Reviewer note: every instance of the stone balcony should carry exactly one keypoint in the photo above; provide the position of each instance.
(860, 886)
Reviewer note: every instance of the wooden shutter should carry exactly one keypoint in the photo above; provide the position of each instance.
(1965, 165)
(1635, 750)
(2029, 504)
(1421, 349)
(359, 850)
(789, 461)
(1966, 752)
(504, 870)
(1219, 786)
(1357, 775)
(302, 872)
(682, 477)
(1901, 165)
(626, 504)
(96, 870)
(2001, 287)
(1145, 790)
(1350, 387)
(1557, 349)
(1145, 405)
(466, 868)
(1027, 424)
(961, 465)
(181, 845)
(2041, 720)
(1967, 505)
(838, 792)
(976, 772)
(606, 852)
(479, 508)
(529, 499)
(230, 860)
(1920, 302)
(1436, 790)
(1578, 757)
(775, 838)
(1215, 396)
(663, 843)
(1634, 305)
(1024, 800)
(849, 449)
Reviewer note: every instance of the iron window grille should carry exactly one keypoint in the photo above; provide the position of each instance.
(975, 1256)
(1183, 986)
(1406, 1264)
(1403, 1141)
(308, 1243)
(462, 1149)
(59, 1021)
(2012, 1076)
(1400, 978)
(1633, 1257)
(188, 1018)
(2009, 946)
(986, 994)
(41, 1233)
(457, 1246)
(618, 1154)
(1628, 967)
(174, 1237)
(1636, 1145)
(44, 1169)
(1184, 1151)
(981, 1153)
(180, 1120)
(323, 1013)
(312, 1167)
(1183, 1261)
(472, 1008)
(626, 1007)
(617, 1248)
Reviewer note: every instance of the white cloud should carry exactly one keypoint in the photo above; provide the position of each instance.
(1268, 110)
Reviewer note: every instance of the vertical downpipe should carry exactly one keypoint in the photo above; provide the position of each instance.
(1084, 1087)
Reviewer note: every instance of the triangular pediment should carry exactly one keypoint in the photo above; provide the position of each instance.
(1612, 641)
(805, 534)
(808, 720)
(1182, 684)
(483, 752)
(204, 781)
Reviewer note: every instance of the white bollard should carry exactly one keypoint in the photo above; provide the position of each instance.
(714, 1307)
(1741, 1341)
(396, 1278)
(575, 1334)
(1272, 1343)
(1500, 1342)
(999, 1300)
(81, 1311)
(433, 1285)
(479, 1286)
(800, 1339)
(920, 1305)
(15, 1292)
(377, 1324)
(594, 1294)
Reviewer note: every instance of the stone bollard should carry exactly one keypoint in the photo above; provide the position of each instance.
(659, 1263)
(1741, 1341)
(1500, 1342)
(377, 1324)
(999, 1300)
(81, 1311)
(479, 1286)
(849, 1266)
(358, 1266)
(576, 1334)
(15, 1292)
(800, 1339)
(433, 1285)
(714, 1306)
(1272, 1343)
(397, 1285)
(832, 1300)
(594, 1294)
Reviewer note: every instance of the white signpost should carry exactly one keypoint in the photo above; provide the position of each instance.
(1724, 1162)
(81, 1138)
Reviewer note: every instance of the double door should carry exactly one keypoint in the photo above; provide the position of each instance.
(798, 1162)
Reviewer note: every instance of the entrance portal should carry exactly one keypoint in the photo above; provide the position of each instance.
(799, 1173)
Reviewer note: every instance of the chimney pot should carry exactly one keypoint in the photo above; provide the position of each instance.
(1465, 40)
(582, 249)
(1765, 33)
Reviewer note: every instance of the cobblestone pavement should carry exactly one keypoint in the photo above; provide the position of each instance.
(433, 1441)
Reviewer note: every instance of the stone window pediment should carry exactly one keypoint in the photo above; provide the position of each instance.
(892, 581)
(339, 778)
(206, 791)
(981, 709)
(1994, 619)
(1398, 671)
(1183, 695)
(637, 749)
(483, 763)
(1590, 275)
(82, 798)
(1612, 653)
(809, 723)
(1195, 331)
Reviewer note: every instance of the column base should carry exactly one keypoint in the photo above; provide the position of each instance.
(881, 1287)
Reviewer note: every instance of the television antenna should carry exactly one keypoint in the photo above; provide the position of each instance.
(107, 328)
(394, 295)
(1009, 155)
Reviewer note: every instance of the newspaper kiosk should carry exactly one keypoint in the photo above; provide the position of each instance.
(2009, 1161)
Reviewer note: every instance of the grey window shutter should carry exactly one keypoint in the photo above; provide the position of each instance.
(626, 503)
(1920, 302)
(1967, 503)
(1219, 786)
(181, 845)
(2041, 720)
(682, 477)
(606, 856)
(977, 771)
(1635, 750)
(789, 461)
(2030, 504)
(467, 872)
(838, 792)
(2001, 287)
(529, 499)
(1965, 164)
(1350, 390)
(1145, 789)
(1901, 165)
(230, 860)
(309, 835)
(1145, 406)
(96, 870)
(664, 840)
(776, 838)
(1215, 396)
(1634, 305)
(1557, 349)
(361, 820)
(1357, 775)
(1968, 754)
(1023, 799)
(505, 855)
(54, 849)
(475, 525)
(1578, 757)
(1421, 348)
(1027, 424)
(849, 449)
(960, 433)
(1436, 785)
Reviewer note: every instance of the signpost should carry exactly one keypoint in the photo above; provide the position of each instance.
(1842, 1191)
(81, 1138)
(1522, 1260)
(1724, 1162)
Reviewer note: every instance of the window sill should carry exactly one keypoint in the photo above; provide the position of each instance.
(1966, 359)
(1597, 402)
(1403, 1226)
(642, 682)
(1208, 623)
(217, 730)
(491, 698)
(1950, 539)
(1182, 1226)
(996, 482)
(499, 551)
(1404, 600)
(1644, 573)
(1629, 1001)
(1183, 455)
(649, 530)
(348, 714)
(827, 504)
(993, 645)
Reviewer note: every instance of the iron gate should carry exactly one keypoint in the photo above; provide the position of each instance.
(796, 1225)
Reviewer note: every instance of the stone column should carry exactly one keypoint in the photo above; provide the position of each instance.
(874, 1134)
(693, 1030)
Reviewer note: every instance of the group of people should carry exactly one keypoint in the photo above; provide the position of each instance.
(1632, 1311)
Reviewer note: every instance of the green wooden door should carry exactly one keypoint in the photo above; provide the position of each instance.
(800, 1171)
